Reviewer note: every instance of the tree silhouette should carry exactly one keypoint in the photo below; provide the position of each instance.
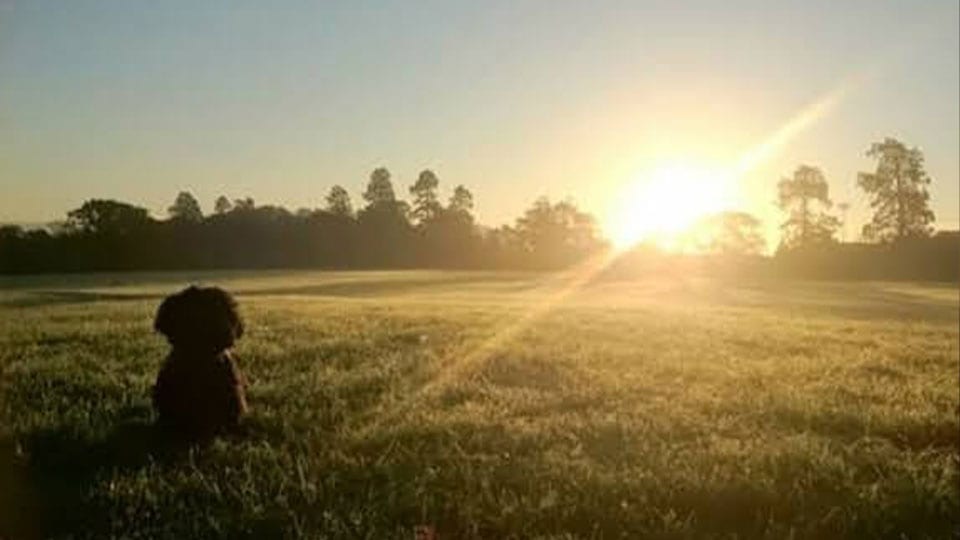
(461, 200)
(556, 235)
(104, 216)
(240, 205)
(107, 235)
(383, 223)
(338, 202)
(805, 198)
(222, 205)
(731, 233)
(426, 206)
(379, 191)
(449, 235)
(381, 199)
(898, 193)
(186, 208)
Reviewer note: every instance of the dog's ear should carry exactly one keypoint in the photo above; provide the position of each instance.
(236, 321)
(237, 325)
(164, 320)
(229, 326)
(169, 318)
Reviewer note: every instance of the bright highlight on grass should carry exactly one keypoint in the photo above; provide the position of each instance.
(661, 205)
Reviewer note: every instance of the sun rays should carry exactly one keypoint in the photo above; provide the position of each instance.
(658, 207)
(661, 204)
(460, 362)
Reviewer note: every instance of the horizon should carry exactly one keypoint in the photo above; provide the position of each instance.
(136, 104)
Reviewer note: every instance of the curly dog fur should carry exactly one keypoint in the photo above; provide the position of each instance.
(199, 392)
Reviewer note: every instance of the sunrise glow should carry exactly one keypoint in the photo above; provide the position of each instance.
(663, 203)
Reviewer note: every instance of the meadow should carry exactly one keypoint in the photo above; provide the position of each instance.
(492, 405)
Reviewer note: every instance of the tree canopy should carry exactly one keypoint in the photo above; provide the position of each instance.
(805, 198)
(426, 205)
(104, 216)
(898, 193)
(222, 205)
(185, 208)
(338, 202)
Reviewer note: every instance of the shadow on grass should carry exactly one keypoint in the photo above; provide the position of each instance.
(49, 479)
(50, 474)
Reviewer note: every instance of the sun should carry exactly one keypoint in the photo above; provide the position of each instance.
(660, 205)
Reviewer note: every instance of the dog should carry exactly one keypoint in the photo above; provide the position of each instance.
(200, 392)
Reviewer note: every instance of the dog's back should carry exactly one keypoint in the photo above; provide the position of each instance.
(199, 395)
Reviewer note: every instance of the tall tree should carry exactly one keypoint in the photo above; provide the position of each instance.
(461, 201)
(898, 193)
(450, 236)
(379, 189)
(426, 205)
(222, 205)
(338, 202)
(383, 224)
(382, 202)
(806, 198)
(186, 208)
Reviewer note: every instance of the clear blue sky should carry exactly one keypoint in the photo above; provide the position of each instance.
(279, 101)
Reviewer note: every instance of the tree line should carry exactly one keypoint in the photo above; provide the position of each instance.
(897, 194)
(384, 232)
(897, 191)
(898, 239)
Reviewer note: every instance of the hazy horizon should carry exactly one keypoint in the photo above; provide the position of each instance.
(138, 102)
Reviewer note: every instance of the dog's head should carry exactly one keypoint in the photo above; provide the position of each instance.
(199, 318)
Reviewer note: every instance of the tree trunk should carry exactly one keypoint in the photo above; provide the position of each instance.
(901, 219)
(804, 220)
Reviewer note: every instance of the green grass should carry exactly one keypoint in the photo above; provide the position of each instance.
(492, 406)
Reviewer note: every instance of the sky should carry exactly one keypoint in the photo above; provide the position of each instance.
(279, 101)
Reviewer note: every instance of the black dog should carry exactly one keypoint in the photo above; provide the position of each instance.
(199, 392)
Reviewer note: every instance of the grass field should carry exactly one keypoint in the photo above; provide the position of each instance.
(492, 406)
